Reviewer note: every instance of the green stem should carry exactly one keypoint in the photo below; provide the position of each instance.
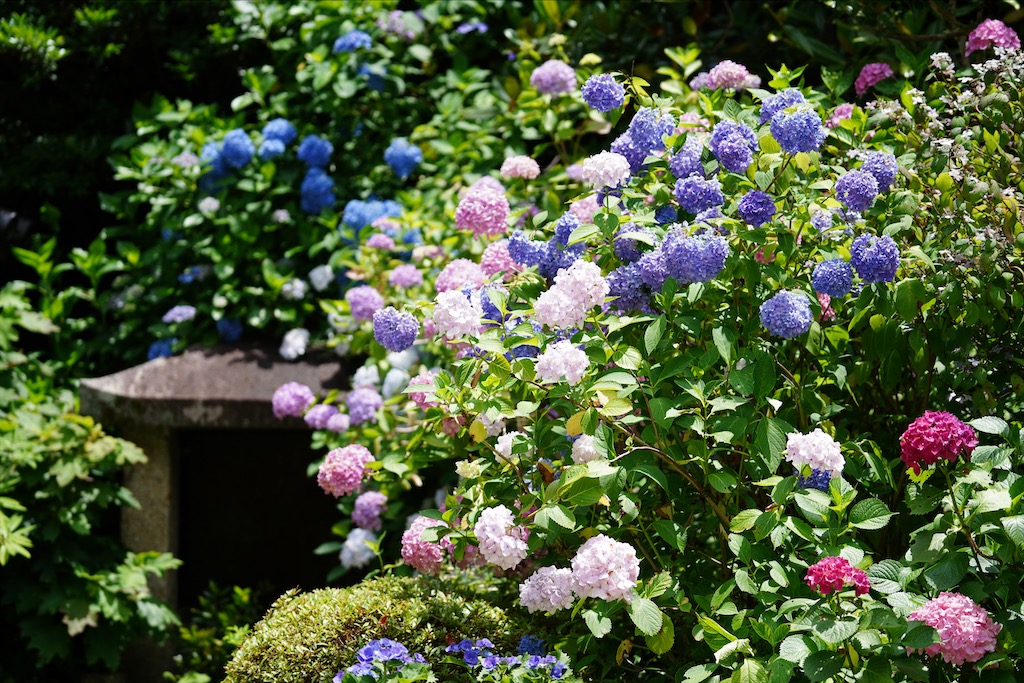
(960, 517)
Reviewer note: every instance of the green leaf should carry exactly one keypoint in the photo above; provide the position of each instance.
(991, 425)
(795, 648)
(652, 336)
(700, 672)
(1014, 528)
(919, 636)
(877, 670)
(751, 670)
(764, 376)
(645, 615)
(870, 514)
(599, 625)
(834, 632)
(662, 642)
(723, 344)
(886, 577)
(949, 572)
(557, 514)
(744, 520)
(822, 665)
(627, 357)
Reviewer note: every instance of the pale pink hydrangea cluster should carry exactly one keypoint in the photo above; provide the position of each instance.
(562, 359)
(500, 540)
(992, 33)
(817, 449)
(423, 398)
(379, 240)
(425, 557)
(577, 289)
(505, 441)
(727, 74)
(342, 471)
(840, 113)
(585, 208)
(870, 75)
(549, 589)
(605, 169)
(458, 274)
(520, 167)
(455, 315)
(966, 631)
(605, 568)
(484, 210)
(831, 574)
(584, 450)
(496, 259)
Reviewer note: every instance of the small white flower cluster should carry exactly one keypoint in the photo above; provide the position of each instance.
(817, 449)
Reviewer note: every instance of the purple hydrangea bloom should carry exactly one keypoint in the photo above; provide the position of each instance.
(651, 267)
(787, 314)
(237, 149)
(367, 510)
(883, 166)
(800, 131)
(291, 399)
(773, 104)
(626, 248)
(363, 302)
(756, 208)
(833, 277)
(875, 258)
(603, 93)
(271, 148)
(320, 415)
(664, 215)
(279, 129)
(556, 258)
(857, 190)
(649, 127)
(179, 314)
(564, 227)
(317, 191)
(696, 194)
(393, 329)
(627, 288)
(817, 479)
(733, 144)
(161, 348)
(470, 26)
(686, 161)
(363, 404)
(526, 252)
(402, 157)
(553, 77)
(698, 258)
(352, 41)
(633, 153)
(821, 220)
(315, 151)
(531, 645)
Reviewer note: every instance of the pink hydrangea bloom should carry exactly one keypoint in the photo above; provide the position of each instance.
(577, 290)
(729, 74)
(520, 167)
(367, 510)
(840, 113)
(606, 169)
(605, 568)
(291, 399)
(966, 630)
(342, 471)
(423, 556)
(585, 208)
(817, 450)
(457, 316)
(501, 541)
(484, 211)
(339, 422)
(831, 574)
(458, 274)
(423, 398)
(992, 33)
(562, 359)
(405, 275)
(318, 416)
(870, 75)
(380, 241)
(549, 589)
(485, 182)
(427, 251)
(496, 259)
(827, 312)
(936, 435)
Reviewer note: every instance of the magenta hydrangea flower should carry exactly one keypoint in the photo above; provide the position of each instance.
(840, 113)
(367, 510)
(484, 210)
(458, 274)
(606, 569)
(966, 631)
(405, 276)
(831, 574)
(520, 167)
(363, 302)
(992, 33)
(496, 259)
(501, 541)
(562, 359)
(425, 557)
(870, 75)
(548, 590)
(554, 77)
(934, 436)
(343, 470)
(291, 399)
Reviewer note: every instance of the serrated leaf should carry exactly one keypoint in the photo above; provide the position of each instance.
(795, 648)
(834, 632)
(949, 572)
(600, 626)
(743, 520)
(991, 425)
(822, 665)
(870, 514)
(662, 642)
(653, 334)
(750, 671)
(1014, 528)
(645, 615)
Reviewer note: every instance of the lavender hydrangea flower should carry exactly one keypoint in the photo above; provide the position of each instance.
(367, 510)
(402, 157)
(627, 248)
(875, 258)
(179, 314)
(833, 277)
(697, 258)
(696, 194)
(787, 314)
(291, 399)
(857, 190)
(649, 127)
(756, 208)
(686, 161)
(319, 415)
(733, 144)
(470, 26)
(395, 330)
(352, 41)
(821, 220)
(553, 77)
(603, 93)
(237, 149)
(652, 269)
(818, 480)
(773, 104)
(363, 404)
(363, 302)
(627, 289)
(526, 252)
(799, 131)
(632, 152)
(315, 151)
(281, 130)
(883, 166)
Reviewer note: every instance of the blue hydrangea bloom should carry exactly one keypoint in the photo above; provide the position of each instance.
(883, 166)
(787, 314)
(374, 79)
(632, 152)
(315, 151)
(781, 100)
(352, 41)
(279, 129)
(817, 479)
(359, 213)
(799, 131)
(875, 258)
(664, 215)
(531, 645)
(603, 93)
(756, 208)
(271, 148)
(564, 227)
(470, 26)
(833, 277)
(161, 348)
(821, 220)
(626, 248)
(696, 194)
(686, 161)
(649, 127)
(626, 285)
(698, 258)
(229, 329)
(557, 258)
(402, 157)
(524, 251)
(393, 329)
(733, 144)
(317, 191)
(216, 168)
(857, 190)
(237, 149)
(653, 272)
